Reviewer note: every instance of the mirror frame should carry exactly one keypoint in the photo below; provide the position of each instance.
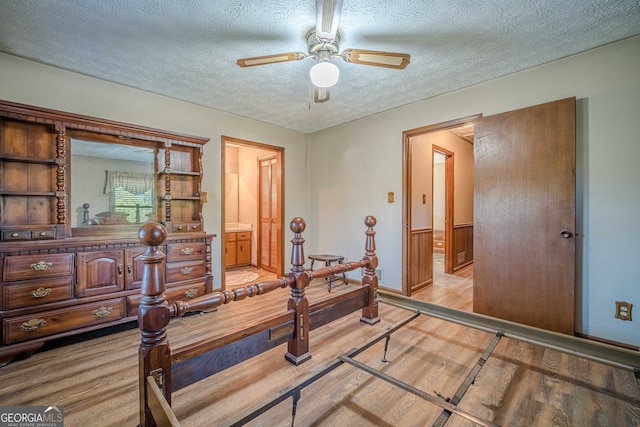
(75, 136)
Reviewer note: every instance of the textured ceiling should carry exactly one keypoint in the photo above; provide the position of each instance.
(188, 49)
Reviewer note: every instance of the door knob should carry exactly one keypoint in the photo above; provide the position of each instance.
(566, 234)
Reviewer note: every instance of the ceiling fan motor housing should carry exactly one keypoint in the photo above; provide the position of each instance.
(322, 50)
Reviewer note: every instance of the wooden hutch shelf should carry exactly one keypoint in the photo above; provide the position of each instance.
(69, 254)
(27, 159)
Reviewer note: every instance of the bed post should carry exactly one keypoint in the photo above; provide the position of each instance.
(154, 355)
(298, 347)
(370, 312)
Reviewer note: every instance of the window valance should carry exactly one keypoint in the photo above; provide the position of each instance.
(133, 182)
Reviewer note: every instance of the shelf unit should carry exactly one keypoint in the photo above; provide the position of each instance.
(180, 171)
(57, 280)
(31, 156)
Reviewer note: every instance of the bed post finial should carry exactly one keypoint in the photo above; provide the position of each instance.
(370, 311)
(298, 347)
(297, 253)
(154, 355)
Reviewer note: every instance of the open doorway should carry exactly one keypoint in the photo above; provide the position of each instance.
(249, 191)
(438, 203)
(439, 208)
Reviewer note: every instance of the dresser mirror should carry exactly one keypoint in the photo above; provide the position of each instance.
(113, 184)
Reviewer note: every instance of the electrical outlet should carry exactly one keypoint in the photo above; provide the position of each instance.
(623, 310)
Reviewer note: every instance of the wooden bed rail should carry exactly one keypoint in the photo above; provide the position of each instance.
(197, 361)
(216, 299)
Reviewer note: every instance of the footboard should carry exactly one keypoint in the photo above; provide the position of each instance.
(170, 371)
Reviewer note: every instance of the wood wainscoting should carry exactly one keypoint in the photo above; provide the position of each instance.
(462, 245)
(421, 262)
(422, 248)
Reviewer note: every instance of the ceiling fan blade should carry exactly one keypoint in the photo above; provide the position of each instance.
(321, 94)
(271, 59)
(327, 18)
(377, 58)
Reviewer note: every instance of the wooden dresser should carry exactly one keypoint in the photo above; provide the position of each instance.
(74, 191)
(53, 289)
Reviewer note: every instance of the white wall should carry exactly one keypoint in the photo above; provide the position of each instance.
(40, 85)
(354, 166)
(336, 177)
(422, 160)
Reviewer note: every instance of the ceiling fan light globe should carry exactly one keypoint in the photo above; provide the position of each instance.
(324, 74)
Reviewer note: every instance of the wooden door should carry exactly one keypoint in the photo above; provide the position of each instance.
(230, 249)
(524, 208)
(133, 276)
(99, 273)
(243, 249)
(269, 247)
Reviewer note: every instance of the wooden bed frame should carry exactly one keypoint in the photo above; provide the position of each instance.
(163, 371)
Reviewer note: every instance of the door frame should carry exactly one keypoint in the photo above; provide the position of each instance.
(448, 203)
(279, 151)
(406, 188)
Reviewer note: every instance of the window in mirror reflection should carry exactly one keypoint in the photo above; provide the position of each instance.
(130, 196)
(111, 184)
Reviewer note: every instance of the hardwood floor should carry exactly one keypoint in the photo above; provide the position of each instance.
(520, 385)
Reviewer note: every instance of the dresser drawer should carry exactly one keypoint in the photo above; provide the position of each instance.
(36, 266)
(48, 233)
(245, 235)
(29, 293)
(185, 227)
(9, 235)
(185, 251)
(179, 293)
(178, 271)
(36, 325)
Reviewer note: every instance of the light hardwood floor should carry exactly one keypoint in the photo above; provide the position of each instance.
(520, 385)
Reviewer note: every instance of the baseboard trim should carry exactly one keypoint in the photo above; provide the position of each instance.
(606, 341)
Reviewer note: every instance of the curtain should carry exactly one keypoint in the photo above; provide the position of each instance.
(133, 182)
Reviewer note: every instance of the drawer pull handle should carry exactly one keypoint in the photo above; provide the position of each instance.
(41, 266)
(191, 293)
(187, 251)
(43, 233)
(33, 325)
(102, 311)
(186, 270)
(40, 292)
(129, 268)
(120, 269)
(15, 234)
(180, 227)
(195, 227)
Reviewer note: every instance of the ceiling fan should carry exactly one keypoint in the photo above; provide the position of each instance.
(323, 44)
